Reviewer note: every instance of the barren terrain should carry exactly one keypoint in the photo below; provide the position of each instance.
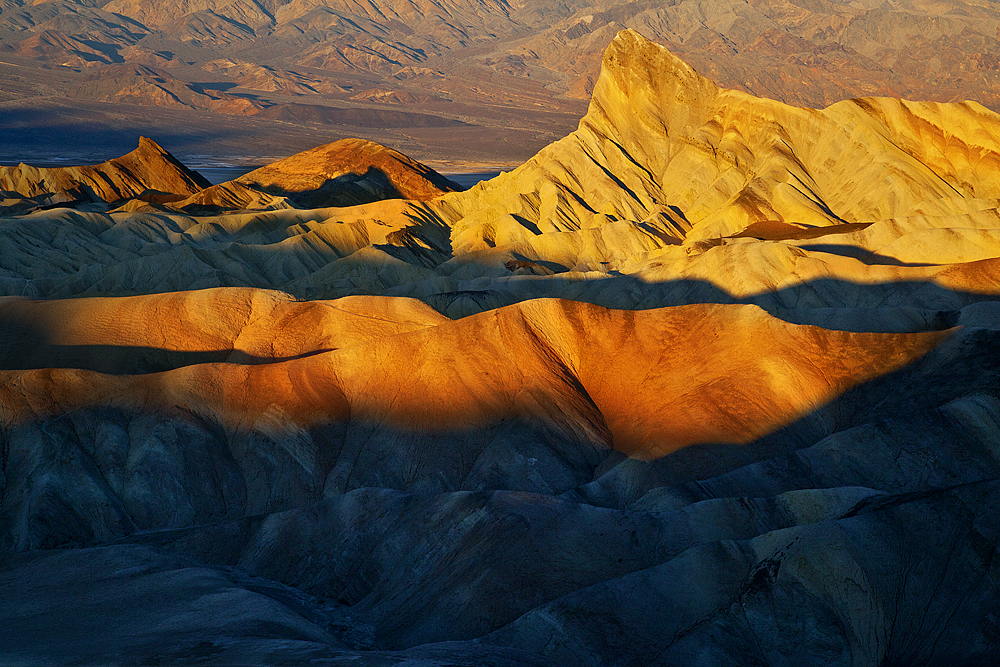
(710, 380)
(464, 84)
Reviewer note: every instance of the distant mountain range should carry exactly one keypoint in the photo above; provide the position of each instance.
(511, 75)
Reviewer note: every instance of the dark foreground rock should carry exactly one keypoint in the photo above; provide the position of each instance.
(865, 534)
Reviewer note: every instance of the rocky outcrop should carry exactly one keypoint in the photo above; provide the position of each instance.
(344, 173)
(673, 156)
(147, 171)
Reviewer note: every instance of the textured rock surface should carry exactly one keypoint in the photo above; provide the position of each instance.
(147, 171)
(344, 173)
(762, 426)
(518, 67)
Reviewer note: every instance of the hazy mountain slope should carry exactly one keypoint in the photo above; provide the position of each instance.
(143, 85)
(518, 70)
(811, 54)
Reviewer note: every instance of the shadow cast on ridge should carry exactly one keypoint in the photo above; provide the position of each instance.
(476, 285)
(312, 255)
(870, 416)
(26, 347)
(891, 307)
(132, 359)
(865, 256)
(349, 189)
(541, 453)
(345, 190)
(355, 498)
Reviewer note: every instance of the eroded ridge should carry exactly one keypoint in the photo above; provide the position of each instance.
(712, 380)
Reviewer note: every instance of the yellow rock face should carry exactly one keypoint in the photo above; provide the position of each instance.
(676, 156)
(645, 383)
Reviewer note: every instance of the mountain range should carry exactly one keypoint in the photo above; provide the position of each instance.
(711, 380)
(515, 74)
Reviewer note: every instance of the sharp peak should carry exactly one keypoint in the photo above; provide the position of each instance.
(629, 47)
(642, 83)
(150, 150)
(147, 145)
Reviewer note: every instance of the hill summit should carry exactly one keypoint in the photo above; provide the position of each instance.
(342, 173)
(684, 160)
(148, 171)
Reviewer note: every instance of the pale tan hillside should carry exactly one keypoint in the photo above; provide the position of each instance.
(251, 13)
(69, 50)
(666, 154)
(731, 374)
(138, 84)
(264, 78)
(515, 72)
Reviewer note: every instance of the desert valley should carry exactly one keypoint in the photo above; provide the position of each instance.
(457, 84)
(711, 379)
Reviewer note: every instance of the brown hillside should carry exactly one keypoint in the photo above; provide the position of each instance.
(343, 173)
(148, 168)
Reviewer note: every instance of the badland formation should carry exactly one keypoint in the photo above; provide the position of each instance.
(712, 380)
